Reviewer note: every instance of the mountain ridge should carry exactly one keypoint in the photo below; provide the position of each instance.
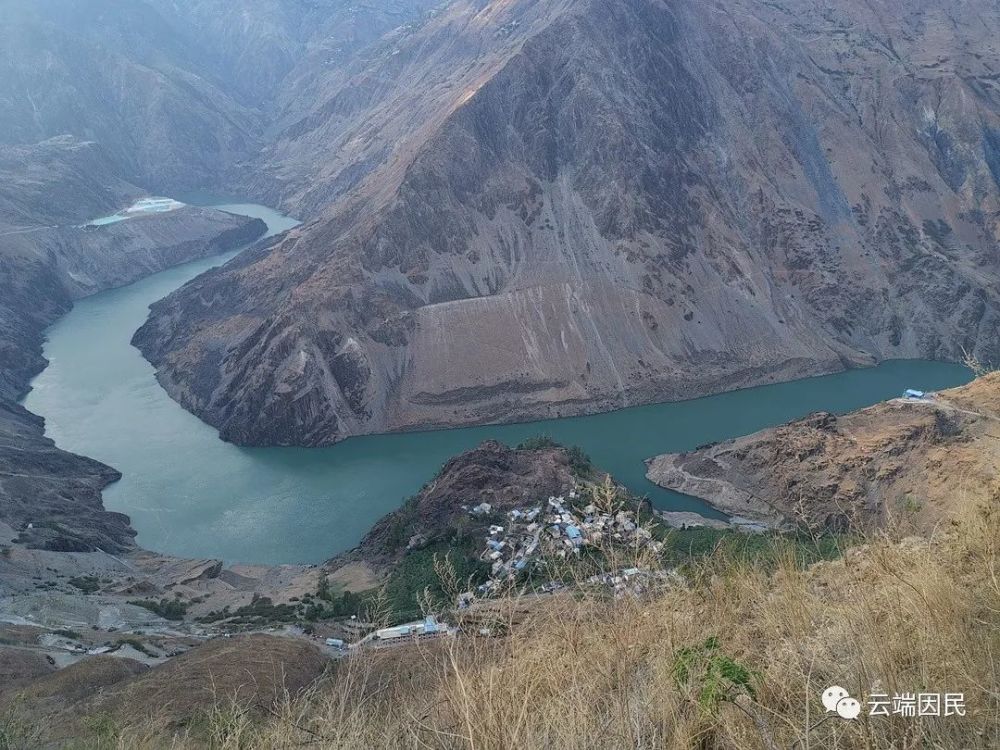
(613, 205)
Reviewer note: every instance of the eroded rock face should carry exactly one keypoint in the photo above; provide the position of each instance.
(539, 209)
(900, 460)
(51, 498)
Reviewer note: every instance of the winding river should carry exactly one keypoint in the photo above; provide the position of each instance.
(190, 494)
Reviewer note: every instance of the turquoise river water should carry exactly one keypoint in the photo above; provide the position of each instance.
(188, 493)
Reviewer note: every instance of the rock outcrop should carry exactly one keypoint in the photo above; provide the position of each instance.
(914, 461)
(533, 209)
(492, 473)
(51, 498)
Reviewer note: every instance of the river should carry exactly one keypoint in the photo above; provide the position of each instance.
(190, 494)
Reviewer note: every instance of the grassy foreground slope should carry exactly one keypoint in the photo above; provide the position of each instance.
(733, 657)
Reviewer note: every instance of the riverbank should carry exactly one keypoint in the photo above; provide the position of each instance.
(97, 589)
(304, 505)
(291, 505)
(907, 458)
(52, 496)
(721, 649)
(58, 541)
(129, 629)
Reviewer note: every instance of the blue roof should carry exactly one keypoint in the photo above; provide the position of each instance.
(573, 532)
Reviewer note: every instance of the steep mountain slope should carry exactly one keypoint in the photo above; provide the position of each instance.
(261, 47)
(51, 499)
(120, 75)
(574, 206)
(374, 111)
(176, 93)
(101, 102)
(62, 179)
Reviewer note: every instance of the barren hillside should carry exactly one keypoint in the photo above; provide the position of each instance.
(902, 462)
(530, 209)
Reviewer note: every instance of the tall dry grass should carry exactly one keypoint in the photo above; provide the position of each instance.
(733, 657)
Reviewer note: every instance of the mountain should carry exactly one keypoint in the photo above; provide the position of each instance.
(120, 75)
(102, 103)
(525, 209)
(176, 92)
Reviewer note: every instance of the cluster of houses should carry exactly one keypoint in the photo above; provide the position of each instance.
(556, 530)
(521, 540)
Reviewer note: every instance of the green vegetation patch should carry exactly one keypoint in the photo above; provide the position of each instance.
(418, 572)
(714, 676)
(329, 604)
(686, 546)
(168, 609)
(261, 610)
(86, 584)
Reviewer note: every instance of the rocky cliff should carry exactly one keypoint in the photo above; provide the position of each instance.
(104, 102)
(904, 460)
(532, 209)
(49, 498)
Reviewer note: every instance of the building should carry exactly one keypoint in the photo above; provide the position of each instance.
(428, 626)
(574, 534)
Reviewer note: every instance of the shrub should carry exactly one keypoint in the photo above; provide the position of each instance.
(168, 609)
(539, 442)
(86, 584)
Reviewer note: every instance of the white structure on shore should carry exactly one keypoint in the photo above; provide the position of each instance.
(428, 626)
(139, 208)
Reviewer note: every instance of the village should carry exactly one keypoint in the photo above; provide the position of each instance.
(526, 542)
(560, 529)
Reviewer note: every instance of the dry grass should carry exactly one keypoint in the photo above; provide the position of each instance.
(584, 671)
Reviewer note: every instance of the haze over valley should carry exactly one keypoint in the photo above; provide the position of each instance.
(418, 324)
